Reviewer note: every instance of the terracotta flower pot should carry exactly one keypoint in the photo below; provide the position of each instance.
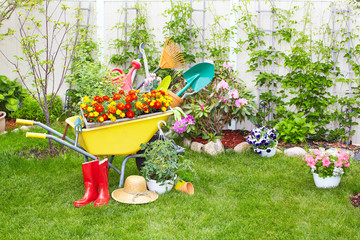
(185, 187)
(176, 100)
(2, 121)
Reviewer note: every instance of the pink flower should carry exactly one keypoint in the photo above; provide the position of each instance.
(233, 93)
(227, 65)
(311, 164)
(326, 162)
(317, 152)
(240, 102)
(309, 158)
(342, 155)
(338, 163)
(318, 157)
(202, 107)
(222, 84)
(347, 164)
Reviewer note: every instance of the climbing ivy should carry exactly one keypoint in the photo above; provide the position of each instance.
(127, 46)
(297, 73)
(178, 29)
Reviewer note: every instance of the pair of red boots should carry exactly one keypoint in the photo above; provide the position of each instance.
(95, 177)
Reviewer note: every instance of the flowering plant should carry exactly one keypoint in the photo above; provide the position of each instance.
(225, 98)
(183, 125)
(122, 104)
(263, 138)
(332, 162)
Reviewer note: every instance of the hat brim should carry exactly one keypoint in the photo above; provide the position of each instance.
(121, 196)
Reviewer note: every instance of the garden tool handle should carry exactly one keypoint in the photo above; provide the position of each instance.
(144, 81)
(36, 135)
(24, 121)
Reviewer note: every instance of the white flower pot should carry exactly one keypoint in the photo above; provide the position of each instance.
(159, 188)
(264, 153)
(328, 182)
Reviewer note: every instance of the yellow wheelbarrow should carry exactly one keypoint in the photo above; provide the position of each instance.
(123, 138)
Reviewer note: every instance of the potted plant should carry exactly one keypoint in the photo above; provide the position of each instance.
(160, 166)
(2, 121)
(264, 141)
(327, 166)
(185, 176)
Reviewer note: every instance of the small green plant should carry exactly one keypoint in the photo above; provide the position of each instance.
(295, 129)
(161, 160)
(89, 76)
(11, 94)
(186, 171)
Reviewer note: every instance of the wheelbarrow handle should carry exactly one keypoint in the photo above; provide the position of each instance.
(36, 135)
(24, 121)
(49, 129)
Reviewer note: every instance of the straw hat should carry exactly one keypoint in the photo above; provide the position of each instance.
(134, 191)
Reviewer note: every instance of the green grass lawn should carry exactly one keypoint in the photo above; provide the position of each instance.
(238, 196)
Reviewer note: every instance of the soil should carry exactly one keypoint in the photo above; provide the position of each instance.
(10, 124)
(230, 138)
(355, 200)
(42, 153)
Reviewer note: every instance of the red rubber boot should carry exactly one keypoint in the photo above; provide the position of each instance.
(91, 186)
(103, 183)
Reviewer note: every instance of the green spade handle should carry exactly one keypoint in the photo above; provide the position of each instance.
(190, 81)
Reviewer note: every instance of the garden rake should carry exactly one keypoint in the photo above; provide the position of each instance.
(171, 57)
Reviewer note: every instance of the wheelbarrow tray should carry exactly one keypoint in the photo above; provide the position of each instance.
(121, 138)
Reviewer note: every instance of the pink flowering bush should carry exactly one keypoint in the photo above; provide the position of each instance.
(225, 98)
(328, 163)
(182, 128)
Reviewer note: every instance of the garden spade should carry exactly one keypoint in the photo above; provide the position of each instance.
(165, 83)
(198, 77)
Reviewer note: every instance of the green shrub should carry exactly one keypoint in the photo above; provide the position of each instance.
(295, 128)
(11, 94)
(31, 110)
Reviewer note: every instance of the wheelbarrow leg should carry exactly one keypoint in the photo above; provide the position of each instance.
(113, 167)
(111, 159)
(122, 174)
